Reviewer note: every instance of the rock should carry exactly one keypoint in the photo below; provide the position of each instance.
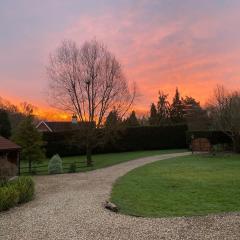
(111, 206)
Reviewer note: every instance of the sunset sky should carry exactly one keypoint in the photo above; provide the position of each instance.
(162, 44)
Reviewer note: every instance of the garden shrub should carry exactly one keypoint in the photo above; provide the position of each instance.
(55, 165)
(9, 196)
(25, 186)
(15, 192)
(72, 168)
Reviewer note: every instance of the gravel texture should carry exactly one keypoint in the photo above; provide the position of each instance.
(70, 206)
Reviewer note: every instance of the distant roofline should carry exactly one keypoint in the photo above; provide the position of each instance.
(45, 123)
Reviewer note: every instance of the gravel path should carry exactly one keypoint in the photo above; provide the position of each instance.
(69, 206)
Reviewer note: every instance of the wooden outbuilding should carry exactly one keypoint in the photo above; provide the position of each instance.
(201, 145)
(9, 158)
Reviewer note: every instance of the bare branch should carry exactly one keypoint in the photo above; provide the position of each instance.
(88, 81)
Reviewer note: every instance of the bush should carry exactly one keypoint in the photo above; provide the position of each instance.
(15, 192)
(9, 196)
(25, 186)
(55, 165)
(72, 168)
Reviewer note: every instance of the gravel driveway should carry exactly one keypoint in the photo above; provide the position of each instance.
(69, 206)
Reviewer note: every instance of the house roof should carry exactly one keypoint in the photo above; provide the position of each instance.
(62, 126)
(6, 144)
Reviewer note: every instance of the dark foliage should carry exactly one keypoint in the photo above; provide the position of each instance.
(215, 137)
(16, 192)
(132, 120)
(153, 119)
(131, 139)
(5, 125)
(176, 111)
(30, 139)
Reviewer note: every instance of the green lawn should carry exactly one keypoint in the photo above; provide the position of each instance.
(100, 160)
(184, 186)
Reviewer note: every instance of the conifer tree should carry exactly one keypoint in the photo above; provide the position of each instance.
(163, 108)
(153, 119)
(177, 109)
(132, 121)
(28, 137)
(112, 119)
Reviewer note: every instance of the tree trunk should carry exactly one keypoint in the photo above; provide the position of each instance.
(89, 156)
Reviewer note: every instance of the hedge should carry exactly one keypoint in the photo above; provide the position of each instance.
(15, 192)
(131, 139)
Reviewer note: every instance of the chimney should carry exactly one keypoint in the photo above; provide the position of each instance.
(74, 119)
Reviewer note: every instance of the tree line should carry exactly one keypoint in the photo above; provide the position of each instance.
(185, 110)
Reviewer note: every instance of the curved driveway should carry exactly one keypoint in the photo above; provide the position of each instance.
(69, 206)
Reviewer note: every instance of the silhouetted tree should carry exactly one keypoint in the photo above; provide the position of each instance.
(113, 128)
(188, 100)
(177, 109)
(195, 116)
(132, 121)
(15, 113)
(225, 113)
(153, 119)
(112, 119)
(88, 81)
(5, 125)
(143, 121)
(163, 108)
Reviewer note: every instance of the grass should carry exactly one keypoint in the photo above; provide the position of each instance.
(100, 161)
(184, 186)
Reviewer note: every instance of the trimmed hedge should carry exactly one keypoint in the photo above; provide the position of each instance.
(15, 192)
(131, 139)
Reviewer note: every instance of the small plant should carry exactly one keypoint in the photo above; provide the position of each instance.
(72, 168)
(8, 197)
(17, 191)
(55, 165)
(25, 186)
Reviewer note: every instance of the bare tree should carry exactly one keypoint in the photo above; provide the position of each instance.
(89, 82)
(225, 112)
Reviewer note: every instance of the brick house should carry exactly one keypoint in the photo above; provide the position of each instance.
(9, 158)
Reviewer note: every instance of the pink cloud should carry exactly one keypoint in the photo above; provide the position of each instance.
(193, 51)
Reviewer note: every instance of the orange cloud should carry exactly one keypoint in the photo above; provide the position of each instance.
(161, 46)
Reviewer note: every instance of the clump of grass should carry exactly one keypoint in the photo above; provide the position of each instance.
(16, 192)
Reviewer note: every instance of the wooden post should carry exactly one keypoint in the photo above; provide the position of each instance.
(18, 162)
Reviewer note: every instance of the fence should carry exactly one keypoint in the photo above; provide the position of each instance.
(42, 169)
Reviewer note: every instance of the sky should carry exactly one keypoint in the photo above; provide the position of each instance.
(162, 44)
